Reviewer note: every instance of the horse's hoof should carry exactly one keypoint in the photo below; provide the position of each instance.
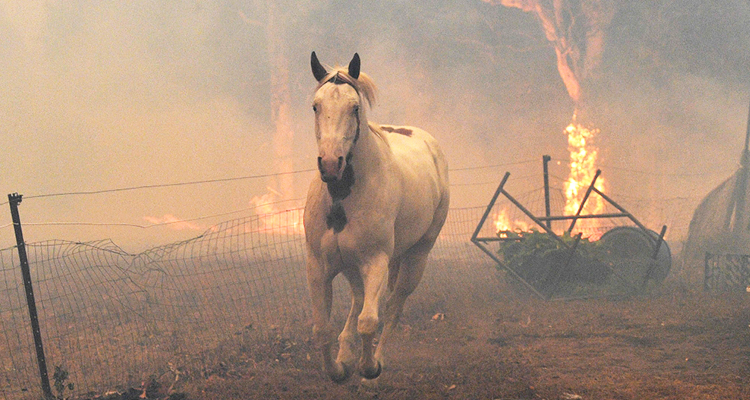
(346, 372)
(365, 374)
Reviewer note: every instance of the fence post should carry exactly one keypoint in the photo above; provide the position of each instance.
(545, 160)
(14, 199)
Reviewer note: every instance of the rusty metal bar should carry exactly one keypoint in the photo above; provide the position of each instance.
(489, 207)
(659, 241)
(478, 243)
(619, 207)
(498, 239)
(545, 161)
(532, 217)
(657, 247)
(588, 216)
(583, 202)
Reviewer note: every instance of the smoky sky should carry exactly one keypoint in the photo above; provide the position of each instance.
(101, 95)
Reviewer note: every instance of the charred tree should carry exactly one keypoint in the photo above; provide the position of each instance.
(576, 30)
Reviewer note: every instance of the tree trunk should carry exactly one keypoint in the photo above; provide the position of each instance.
(575, 28)
(283, 137)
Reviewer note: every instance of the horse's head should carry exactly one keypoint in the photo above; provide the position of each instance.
(339, 115)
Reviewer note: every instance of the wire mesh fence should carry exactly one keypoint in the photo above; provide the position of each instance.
(113, 320)
(727, 272)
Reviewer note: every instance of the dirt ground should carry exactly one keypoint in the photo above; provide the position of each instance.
(673, 343)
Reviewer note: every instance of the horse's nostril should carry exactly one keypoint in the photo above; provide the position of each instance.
(341, 161)
(320, 163)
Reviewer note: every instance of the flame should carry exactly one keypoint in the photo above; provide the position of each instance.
(173, 222)
(274, 219)
(503, 224)
(583, 155)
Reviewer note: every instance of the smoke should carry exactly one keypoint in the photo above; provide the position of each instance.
(105, 95)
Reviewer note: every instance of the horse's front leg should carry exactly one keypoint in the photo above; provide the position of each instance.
(321, 292)
(347, 355)
(374, 276)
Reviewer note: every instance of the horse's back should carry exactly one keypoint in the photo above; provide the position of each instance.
(424, 171)
(419, 151)
(414, 146)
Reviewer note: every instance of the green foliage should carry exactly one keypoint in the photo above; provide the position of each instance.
(538, 244)
(534, 255)
(60, 377)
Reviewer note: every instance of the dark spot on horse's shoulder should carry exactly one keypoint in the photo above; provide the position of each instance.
(401, 131)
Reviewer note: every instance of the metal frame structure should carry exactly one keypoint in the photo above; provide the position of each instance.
(545, 223)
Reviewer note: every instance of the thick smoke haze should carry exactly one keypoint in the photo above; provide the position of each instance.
(104, 95)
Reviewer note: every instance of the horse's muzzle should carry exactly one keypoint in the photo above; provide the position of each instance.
(330, 168)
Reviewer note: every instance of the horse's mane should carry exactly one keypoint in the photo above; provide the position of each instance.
(363, 85)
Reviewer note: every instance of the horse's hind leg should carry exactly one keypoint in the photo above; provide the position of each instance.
(409, 275)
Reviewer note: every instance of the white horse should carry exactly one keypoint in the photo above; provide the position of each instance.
(373, 215)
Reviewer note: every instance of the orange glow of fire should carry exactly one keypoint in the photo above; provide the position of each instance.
(274, 219)
(504, 226)
(583, 157)
(174, 223)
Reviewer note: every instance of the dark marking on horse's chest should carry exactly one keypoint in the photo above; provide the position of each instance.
(339, 190)
(400, 131)
(336, 218)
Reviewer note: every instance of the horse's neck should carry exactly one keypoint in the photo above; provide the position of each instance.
(371, 152)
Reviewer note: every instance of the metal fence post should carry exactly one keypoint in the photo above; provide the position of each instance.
(547, 212)
(14, 199)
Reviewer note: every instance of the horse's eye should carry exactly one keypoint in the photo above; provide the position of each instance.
(315, 108)
(355, 110)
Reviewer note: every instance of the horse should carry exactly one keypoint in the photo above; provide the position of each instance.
(373, 215)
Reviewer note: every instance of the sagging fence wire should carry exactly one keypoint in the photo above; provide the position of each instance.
(494, 182)
(270, 175)
(166, 223)
(233, 179)
(218, 180)
(492, 166)
(711, 171)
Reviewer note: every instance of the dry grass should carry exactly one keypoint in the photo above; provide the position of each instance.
(494, 344)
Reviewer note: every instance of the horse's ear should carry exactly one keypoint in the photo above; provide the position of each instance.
(354, 66)
(319, 71)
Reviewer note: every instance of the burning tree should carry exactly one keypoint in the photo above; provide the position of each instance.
(283, 138)
(270, 18)
(576, 30)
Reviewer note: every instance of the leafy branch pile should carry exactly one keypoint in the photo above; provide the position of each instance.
(542, 260)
